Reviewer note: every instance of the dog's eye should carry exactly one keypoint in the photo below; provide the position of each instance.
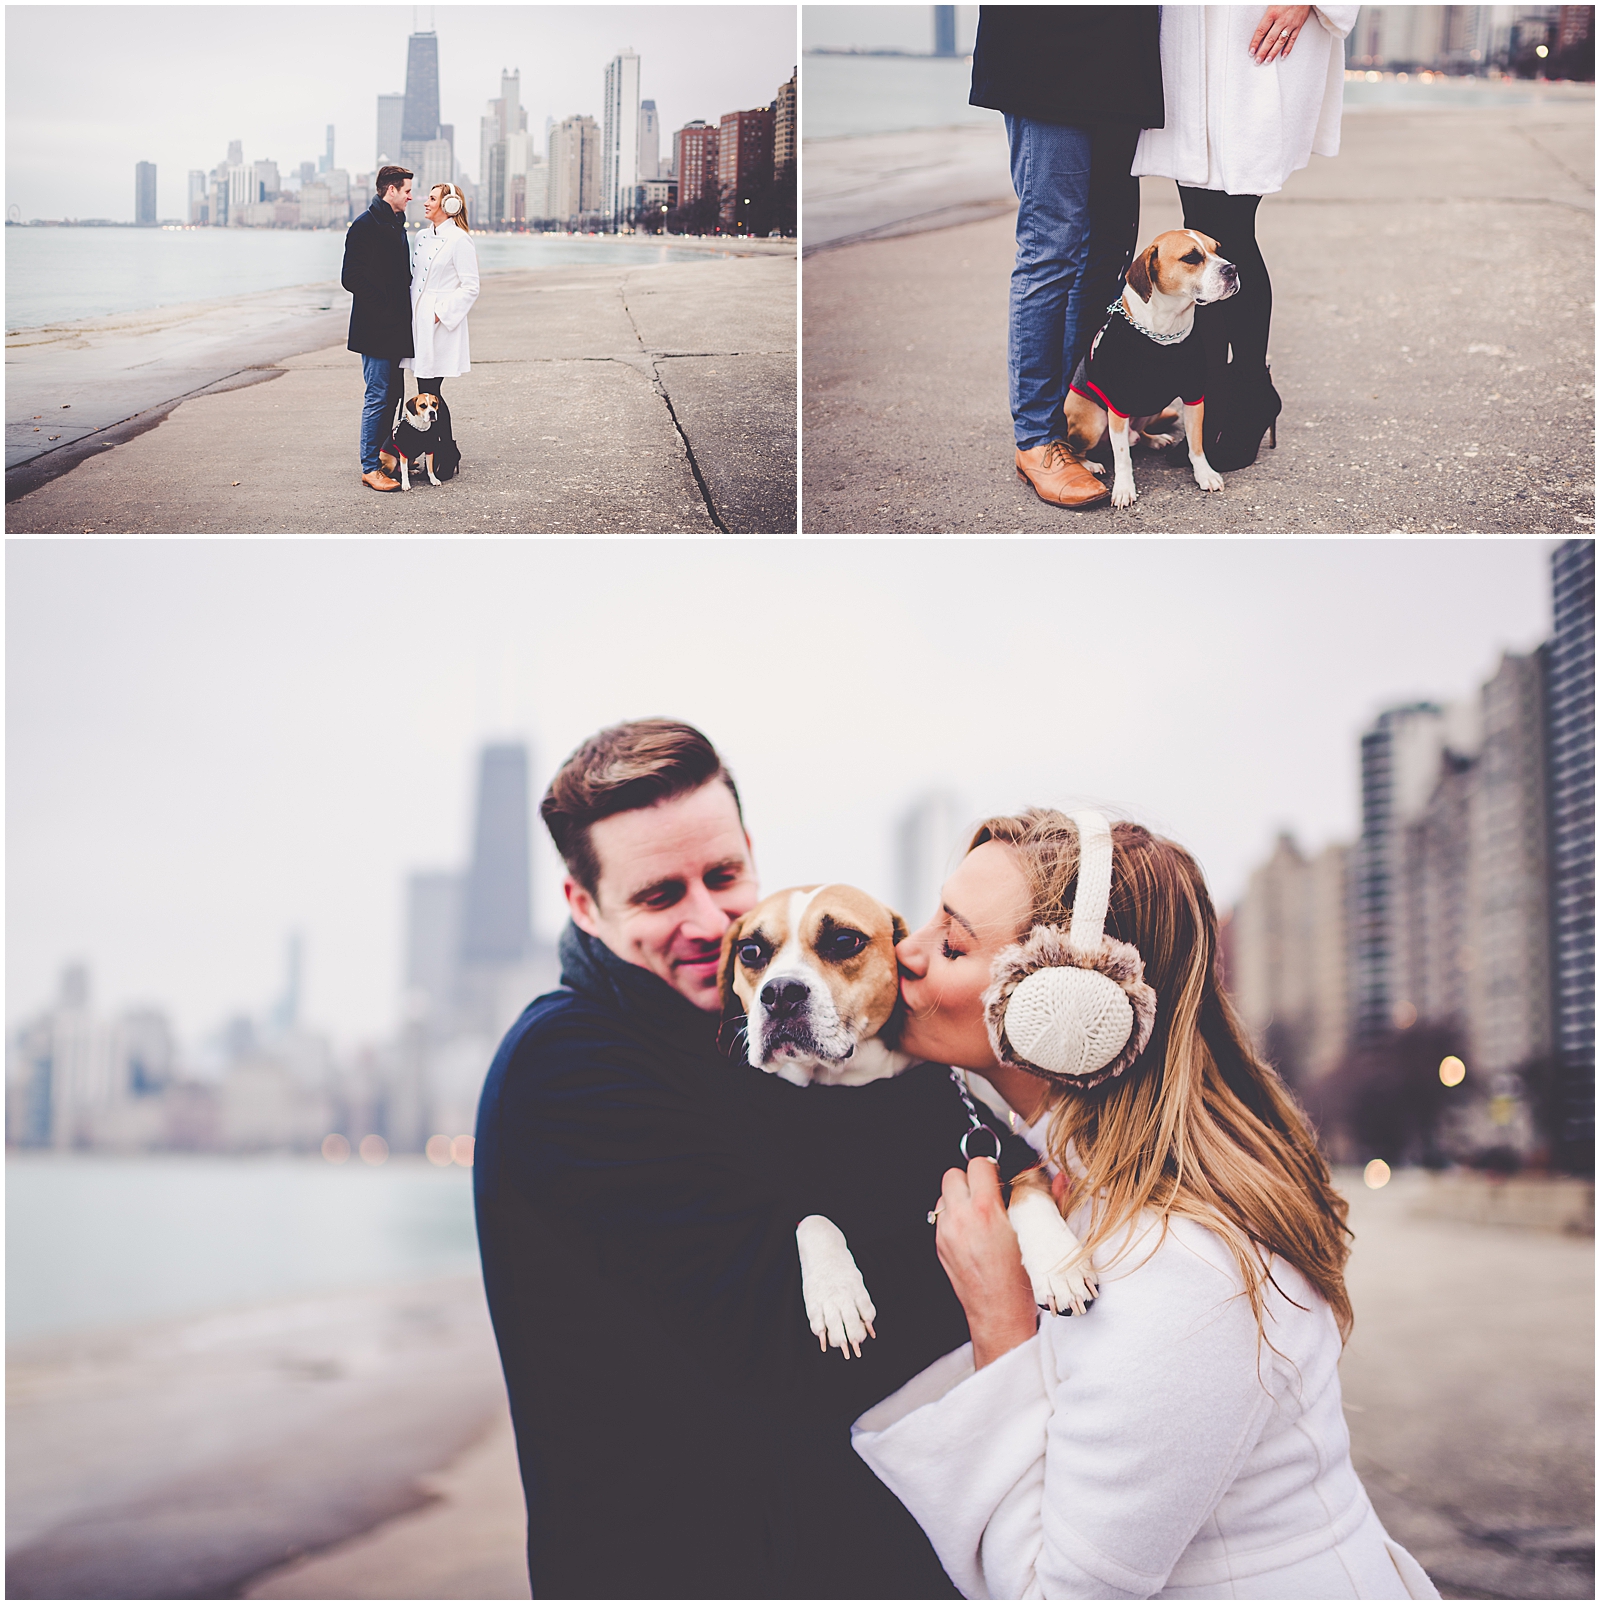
(841, 944)
(1194, 259)
(753, 955)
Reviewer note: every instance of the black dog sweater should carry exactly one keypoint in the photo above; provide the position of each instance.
(1135, 376)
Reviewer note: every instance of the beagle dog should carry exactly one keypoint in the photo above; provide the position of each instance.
(813, 973)
(415, 440)
(1143, 357)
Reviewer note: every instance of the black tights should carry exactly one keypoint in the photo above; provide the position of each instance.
(1243, 320)
(435, 387)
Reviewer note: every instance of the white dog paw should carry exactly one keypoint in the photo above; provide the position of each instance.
(1066, 1289)
(1062, 1278)
(1098, 469)
(1206, 477)
(838, 1307)
(1122, 493)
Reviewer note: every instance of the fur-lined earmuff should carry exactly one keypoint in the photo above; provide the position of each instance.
(1070, 1003)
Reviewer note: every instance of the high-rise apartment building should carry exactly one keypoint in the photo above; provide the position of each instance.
(785, 127)
(620, 155)
(199, 205)
(649, 141)
(325, 161)
(1508, 999)
(1399, 769)
(144, 192)
(1286, 969)
(264, 181)
(1569, 715)
(235, 153)
(694, 161)
(575, 169)
(1432, 929)
(391, 122)
(744, 159)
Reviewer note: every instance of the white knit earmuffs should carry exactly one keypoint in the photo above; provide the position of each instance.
(1071, 1003)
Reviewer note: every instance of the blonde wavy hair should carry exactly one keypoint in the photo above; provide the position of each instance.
(1199, 1126)
(461, 216)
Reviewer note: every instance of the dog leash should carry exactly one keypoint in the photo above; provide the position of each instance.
(977, 1122)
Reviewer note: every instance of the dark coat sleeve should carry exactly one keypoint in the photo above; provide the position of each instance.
(377, 273)
(1069, 64)
(636, 1213)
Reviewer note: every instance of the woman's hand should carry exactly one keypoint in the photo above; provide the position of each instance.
(979, 1252)
(1277, 31)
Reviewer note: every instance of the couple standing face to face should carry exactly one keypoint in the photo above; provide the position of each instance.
(673, 876)
(399, 198)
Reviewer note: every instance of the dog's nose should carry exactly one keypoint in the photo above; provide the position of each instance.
(784, 997)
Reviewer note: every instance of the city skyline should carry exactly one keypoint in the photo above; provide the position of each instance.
(276, 793)
(194, 100)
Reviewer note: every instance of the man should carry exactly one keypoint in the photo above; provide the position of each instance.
(680, 1433)
(377, 272)
(1077, 84)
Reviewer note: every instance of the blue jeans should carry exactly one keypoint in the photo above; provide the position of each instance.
(385, 385)
(1050, 167)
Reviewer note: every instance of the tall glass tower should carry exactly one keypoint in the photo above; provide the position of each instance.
(422, 90)
(1570, 722)
(495, 916)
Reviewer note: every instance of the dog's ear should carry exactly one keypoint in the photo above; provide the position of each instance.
(1144, 272)
(731, 1006)
(901, 929)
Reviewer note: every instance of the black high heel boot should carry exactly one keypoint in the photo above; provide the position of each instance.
(1250, 413)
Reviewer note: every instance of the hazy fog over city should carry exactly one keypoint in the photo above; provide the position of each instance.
(90, 90)
(211, 746)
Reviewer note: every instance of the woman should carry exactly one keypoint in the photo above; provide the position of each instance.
(444, 284)
(1185, 1437)
(1251, 93)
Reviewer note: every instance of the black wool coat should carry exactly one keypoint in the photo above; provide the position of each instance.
(377, 272)
(680, 1433)
(1068, 64)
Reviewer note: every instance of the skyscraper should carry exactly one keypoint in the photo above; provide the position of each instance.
(620, 157)
(694, 161)
(649, 141)
(495, 904)
(391, 121)
(744, 159)
(421, 121)
(785, 126)
(199, 196)
(1570, 723)
(1399, 767)
(325, 165)
(575, 169)
(144, 192)
(944, 30)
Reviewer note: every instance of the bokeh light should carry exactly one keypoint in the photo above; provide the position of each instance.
(1376, 1174)
(1405, 1015)
(461, 1151)
(1452, 1072)
(374, 1149)
(438, 1149)
(335, 1149)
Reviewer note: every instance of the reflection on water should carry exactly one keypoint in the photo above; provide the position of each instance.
(94, 1240)
(58, 275)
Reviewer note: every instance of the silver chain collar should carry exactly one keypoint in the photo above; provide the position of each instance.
(1118, 308)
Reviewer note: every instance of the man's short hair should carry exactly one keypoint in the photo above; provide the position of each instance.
(627, 766)
(391, 178)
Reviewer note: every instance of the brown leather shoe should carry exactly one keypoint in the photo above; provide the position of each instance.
(1059, 477)
(379, 480)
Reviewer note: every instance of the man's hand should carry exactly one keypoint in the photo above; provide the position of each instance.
(979, 1252)
(1277, 31)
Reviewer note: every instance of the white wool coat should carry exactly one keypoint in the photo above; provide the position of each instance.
(444, 280)
(1135, 1452)
(1233, 124)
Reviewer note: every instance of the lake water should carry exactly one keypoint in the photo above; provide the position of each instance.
(848, 95)
(96, 1241)
(57, 275)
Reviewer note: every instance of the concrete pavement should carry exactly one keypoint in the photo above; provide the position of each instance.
(655, 398)
(1433, 339)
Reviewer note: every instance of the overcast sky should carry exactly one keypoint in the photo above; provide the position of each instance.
(210, 744)
(91, 90)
